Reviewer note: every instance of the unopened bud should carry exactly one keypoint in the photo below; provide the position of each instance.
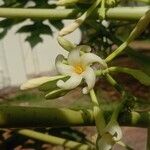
(42, 82)
(67, 45)
(140, 27)
(33, 83)
(69, 29)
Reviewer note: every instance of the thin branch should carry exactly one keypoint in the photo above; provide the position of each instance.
(54, 140)
(118, 13)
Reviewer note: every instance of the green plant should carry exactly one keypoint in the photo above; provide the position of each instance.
(101, 35)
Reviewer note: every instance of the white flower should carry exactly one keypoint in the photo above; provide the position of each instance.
(78, 67)
(112, 134)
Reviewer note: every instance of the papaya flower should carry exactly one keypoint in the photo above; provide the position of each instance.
(112, 135)
(78, 66)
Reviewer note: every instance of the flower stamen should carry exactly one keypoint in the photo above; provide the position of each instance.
(79, 68)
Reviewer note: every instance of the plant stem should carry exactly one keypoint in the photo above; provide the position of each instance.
(23, 117)
(120, 89)
(118, 13)
(98, 113)
(54, 140)
(114, 84)
(116, 52)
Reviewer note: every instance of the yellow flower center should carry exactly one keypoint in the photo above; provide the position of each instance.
(79, 68)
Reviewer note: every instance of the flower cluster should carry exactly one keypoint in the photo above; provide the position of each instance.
(111, 135)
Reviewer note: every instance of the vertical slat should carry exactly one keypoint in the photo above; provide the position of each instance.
(14, 58)
(5, 76)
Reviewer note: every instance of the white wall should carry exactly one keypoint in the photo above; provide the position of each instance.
(18, 61)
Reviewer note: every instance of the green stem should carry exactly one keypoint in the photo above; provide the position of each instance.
(148, 138)
(98, 113)
(102, 10)
(23, 117)
(138, 29)
(54, 140)
(114, 84)
(116, 52)
(119, 89)
(119, 13)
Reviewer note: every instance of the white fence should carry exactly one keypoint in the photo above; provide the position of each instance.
(18, 61)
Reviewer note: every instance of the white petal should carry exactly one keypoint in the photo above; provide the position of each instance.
(89, 58)
(114, 129)
(74, 57)
(84, 48)
(63, 68)
(105, 142)
(71, 83)
(33, 83)
(90, 79)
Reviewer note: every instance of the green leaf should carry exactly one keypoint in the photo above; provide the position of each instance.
(141, 59)
(56, 94)
(142, 77)
(64, 43)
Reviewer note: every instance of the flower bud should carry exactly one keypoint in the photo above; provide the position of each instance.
(33, 83)
(41, 82)
(67, 45)
(69, 29)
(140, 27)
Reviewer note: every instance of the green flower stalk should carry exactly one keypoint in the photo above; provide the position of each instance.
(102, 10)
(98, 113)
